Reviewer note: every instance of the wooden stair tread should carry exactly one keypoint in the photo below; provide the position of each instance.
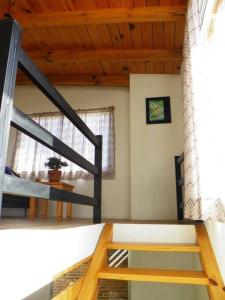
(155, 247)
(154, 275)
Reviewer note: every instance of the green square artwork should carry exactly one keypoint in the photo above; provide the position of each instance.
(156, 110)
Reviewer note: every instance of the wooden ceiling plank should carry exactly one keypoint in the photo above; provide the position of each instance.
(149, 67)
(107, 54)
(177, 66)
(68, 4)
(29, 41)
(39, 38)
(85, 37)
(159, 67)
(115, 35)
(140, 66)
(107, 70)
(82, 80)
(136, 35)
(147, 35)
(125, 36)
(99, 16)
(85, 4)
(179, 2)
(114, 3)
(74, 38)
(90, 68)
(153, 2)
(118, 68)
(82, 67)
(166, 2)
(97, 40)
(96, 66)
(179, 34)
(127, 3)
(168, 67)
(4, 7)
(169, 35)
(105, 36)
(101, 3)
(140, 3)
(158, 35)
(132, 67)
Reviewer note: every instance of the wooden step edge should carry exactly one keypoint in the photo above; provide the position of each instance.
(155, 275)
(155, 247)
(209, 264)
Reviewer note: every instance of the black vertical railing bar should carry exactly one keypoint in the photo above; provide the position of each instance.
(10, 35)
(11, 55)
(179, 182)
(42, 82)
(98, 182)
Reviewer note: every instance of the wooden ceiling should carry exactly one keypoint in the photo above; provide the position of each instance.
(100, 42)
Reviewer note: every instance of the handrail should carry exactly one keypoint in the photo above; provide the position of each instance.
(41, 81)
(13, 57)
(25, 124)
(179, 182)
(180, 158)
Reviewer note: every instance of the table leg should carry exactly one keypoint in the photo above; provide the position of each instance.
(44, 208)
(59, 210)
(69, 208)
(32, 208)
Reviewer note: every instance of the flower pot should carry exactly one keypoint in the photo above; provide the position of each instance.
(54, 175)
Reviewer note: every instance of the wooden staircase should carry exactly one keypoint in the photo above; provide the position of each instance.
(87, 287)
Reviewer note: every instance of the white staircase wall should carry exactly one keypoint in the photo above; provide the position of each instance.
(154, 233)
(31, 257)
(162, 291)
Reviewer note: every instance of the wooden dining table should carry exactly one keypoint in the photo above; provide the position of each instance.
(59, 204)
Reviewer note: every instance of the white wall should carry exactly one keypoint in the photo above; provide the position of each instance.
(31, 257)
(169, 234)
(115, 191)
(153, 147)
(162, 291)
(157, 233)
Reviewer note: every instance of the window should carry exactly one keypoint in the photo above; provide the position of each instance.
(29, 156)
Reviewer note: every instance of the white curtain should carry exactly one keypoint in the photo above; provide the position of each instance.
(30, 156)
(204, 111)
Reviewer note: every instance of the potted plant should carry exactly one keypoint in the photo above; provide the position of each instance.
(55, 164)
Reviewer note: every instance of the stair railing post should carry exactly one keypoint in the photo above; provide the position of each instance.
(97, 211)
(10, 35)
(179, 193)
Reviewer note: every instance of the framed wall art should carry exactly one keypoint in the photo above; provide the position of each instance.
(158, 110)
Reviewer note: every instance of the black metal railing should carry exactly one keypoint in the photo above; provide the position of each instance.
(179, 186)
(13, 57)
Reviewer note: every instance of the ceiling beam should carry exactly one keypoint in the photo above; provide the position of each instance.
(81, 80)
(31, 19)
(107, 54)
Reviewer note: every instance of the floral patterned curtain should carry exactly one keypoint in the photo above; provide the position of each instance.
(29, 156)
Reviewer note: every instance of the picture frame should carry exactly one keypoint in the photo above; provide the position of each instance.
(158, 110)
